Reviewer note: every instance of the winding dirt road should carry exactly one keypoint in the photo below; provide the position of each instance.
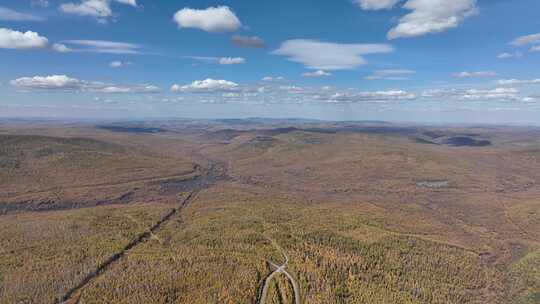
(278, 270)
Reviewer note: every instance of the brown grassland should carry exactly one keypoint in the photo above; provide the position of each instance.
(366, 213)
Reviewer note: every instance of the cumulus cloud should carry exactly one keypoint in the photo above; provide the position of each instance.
(92, 8)
(11, 39)
(319, 73)
(231, 60)
(376, 4)
(390, 75)
(475, 94)
(66, 83)
(510, 55)
(475, 74)
(432, 16)
(213, 19)
(292, 94)
(223, 91)
(389, 95)
(526, 40)
(100, 9)
(518, 81)
(493, 94)
(367, 96)
(47, 82)
(246, 41)
(208, 85)
(320, 55)
(61, 48)
(7, 14)
(103, 46)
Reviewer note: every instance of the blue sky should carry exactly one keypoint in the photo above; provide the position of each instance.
(412, 60)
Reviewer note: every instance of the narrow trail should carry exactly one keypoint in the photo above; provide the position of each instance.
(73, 295)
(505, 209)
(209, 176)
(140, 224)
(524, 233)
(278, 270)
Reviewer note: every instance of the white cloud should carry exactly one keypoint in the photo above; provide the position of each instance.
(207, 85)
(535, 48)
(376, 4)
(113, 89)
(92, 8)
(319, 73)
(47, 82)
(494, 94)
(103, 46)
(390, 75)
(319, 55)
(61, 48)
(218, 60)
(432, 16)
(292, 89)
(526, 40)
(222, 91)
(100, 9)
(366, 96)
(65, 83)
(10, 39)
(475, 74)
(510, 55)
(213, 19)
(7, 14)
(388, 95)
(231, 60)
(119, 64)
(439, 93)
(518, 81)
(245, 41)
(128, 2)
